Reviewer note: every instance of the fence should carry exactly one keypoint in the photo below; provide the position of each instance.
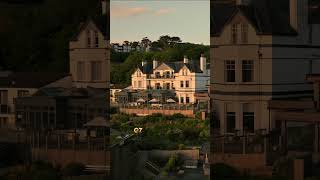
(239, 144)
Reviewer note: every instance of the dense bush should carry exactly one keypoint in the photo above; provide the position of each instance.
(162, 132)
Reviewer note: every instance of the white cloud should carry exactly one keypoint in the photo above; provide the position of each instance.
(164, 11)
(122, 11)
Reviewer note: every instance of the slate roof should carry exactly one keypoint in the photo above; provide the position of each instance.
(30, 79)
(147, 68)
(193, 66)
(267, 16)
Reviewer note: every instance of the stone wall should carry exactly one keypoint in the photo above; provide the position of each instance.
(144, 112)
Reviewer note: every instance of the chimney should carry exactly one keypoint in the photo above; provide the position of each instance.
(104, 7)
(155, 63)
(203, 63)
(143, 63)
(185, 60)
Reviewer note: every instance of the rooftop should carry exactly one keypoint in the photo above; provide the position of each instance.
(29, 79)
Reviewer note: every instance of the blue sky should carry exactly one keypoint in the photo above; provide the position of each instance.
(134, 19)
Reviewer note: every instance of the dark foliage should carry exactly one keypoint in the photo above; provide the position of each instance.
(35, 37)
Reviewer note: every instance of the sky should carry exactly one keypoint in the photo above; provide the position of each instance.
(134, 19)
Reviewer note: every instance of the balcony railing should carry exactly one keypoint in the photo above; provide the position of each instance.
(160, 77)
(4, 109)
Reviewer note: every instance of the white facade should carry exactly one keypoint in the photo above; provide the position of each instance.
(178, 76)
(278, 70)
(125, 48)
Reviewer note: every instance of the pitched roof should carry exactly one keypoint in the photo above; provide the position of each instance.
(264, 16)
(193, 66)
(30, 79)
(99, 21)
(70, 92)
(147, 68)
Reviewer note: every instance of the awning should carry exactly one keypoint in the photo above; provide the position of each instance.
(141, 100)
(154, 100)
(171, 100)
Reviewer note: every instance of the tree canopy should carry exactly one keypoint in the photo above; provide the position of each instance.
(35, 37)
(165, 49)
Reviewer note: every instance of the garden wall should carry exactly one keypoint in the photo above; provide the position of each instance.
(144, 112)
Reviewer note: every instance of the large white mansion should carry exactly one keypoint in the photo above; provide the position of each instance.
(186, 78)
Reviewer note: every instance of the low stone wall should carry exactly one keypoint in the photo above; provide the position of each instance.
(65, 156)
(144, 112)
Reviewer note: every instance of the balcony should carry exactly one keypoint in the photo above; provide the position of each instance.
(160, 77)
(4, 109)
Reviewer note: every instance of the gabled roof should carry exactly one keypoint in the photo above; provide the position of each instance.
(269, 17)
(147, 68)
(99, 21)
(30, 79)
(193, 66)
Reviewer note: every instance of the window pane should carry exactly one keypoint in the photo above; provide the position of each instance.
(247, 70)
(234, 31)
(88, 38)
(248, 121)
(231, 122)
(80, 70)
(96, 39)
(244, 33)
(96, 70)
(230, 71)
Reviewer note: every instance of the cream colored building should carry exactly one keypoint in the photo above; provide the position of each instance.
(90, 53)
(186, 78)
(259, 52)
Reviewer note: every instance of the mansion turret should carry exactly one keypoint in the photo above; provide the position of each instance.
(187, 78)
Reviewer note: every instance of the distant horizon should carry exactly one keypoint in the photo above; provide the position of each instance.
(131, 20)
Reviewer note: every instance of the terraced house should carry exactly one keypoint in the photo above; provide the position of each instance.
(261, 50)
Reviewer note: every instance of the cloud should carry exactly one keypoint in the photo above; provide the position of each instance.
(164, 11)
(122, 11)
